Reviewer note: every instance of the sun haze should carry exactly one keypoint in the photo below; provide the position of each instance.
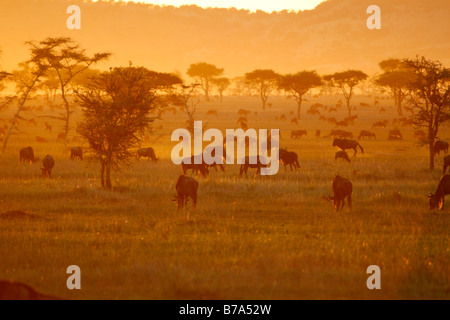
(252, 5)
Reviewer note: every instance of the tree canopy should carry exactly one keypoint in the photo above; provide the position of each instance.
(204, 72)
(264, 81)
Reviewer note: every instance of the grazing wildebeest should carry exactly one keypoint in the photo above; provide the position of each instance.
(345, 144)
(318, 132)
(446, 163)
(294, 121)
(76, 152)
(147, 153)
(440, 146)
(342, 188)
(366, 134)
(246, 165)
(186, 187)
(48, 127)
(341, 134)
(342, 123)
(32, 122)
(313, 111)
(289, 158)
(201, 167)
(19, 291)
(380, 124)
(61, 137)
(443, 189)
(395, 135)
(341, 155)
(297, 134)
(48, 163)
(283, 117)
(26, 155)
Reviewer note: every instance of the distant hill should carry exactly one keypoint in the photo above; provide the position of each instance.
(331, 37)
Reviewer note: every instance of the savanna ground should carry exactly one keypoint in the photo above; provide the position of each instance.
(250, 238)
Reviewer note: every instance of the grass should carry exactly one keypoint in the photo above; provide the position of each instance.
(250, 238)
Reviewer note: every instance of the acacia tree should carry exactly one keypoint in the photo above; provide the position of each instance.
(221, 84)
(204, 73)
(265, 81)
(68, 59)
(118, 106)
(297, 85)
(429, 95)
(346, 81)
(395, 77)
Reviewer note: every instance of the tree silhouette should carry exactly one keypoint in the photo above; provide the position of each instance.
(299, 84)
(396, 78)
(265, 81)
(204, 73)
(118, 106)
(429, 95)
(221, 84)
(67, 58)
(346, 81)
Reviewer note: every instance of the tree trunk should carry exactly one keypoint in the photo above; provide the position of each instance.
(349, 108)
(431, 139)
(66, 126)
(431, 155)
(108, 174)
(299, 108)
(207, 89)
(102, 173)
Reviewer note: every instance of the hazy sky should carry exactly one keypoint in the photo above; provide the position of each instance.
(265, 5)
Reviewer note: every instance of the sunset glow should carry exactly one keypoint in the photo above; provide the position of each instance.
(252, 5)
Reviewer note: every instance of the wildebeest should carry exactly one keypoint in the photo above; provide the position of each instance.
(345, 144)
(437, 199)
(380, 124)
(294, 121)
(341, 155)
(186, 187)
(26, 155)
(342, 188)
(297, 134)
(48, 163)
(61, 137)
(440, 146)
(244, 112)
(289, 158)
(147, 153)
(342, 123)
(48, 127)
(40, 139)
(446, 163)
(246, 165)
(366, 134)
(318, 132)
(201, 167)
(212, 112)
(395, 135)
(10, 290)
(341, 134)
(76, 152)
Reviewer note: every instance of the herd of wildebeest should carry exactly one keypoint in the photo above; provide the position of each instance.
(187, 186)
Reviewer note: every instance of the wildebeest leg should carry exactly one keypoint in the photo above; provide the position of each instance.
(350, 202)
(354, 155)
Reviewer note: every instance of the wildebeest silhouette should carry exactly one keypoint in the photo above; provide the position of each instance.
(61, 137)
(40, 139)
(318, 132)
(366, 134)
(446, 163)
(395, 135)
(186, 187)
(345, 144)
(289, 158)
(196, 168)
(246, 165)
(47, 165)
(244, 112)
(437, 199)
(440, 146)
(341, 155)
(26, 155)
(297, 134)
(76, 152)
(342, 188)
(147, 153)
(342, 123)
(283, 117)
(10, 290)
(341, 134)
(48, 127)
(380, 124)
(294, 121)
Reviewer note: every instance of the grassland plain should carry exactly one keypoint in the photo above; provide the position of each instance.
(250, 238)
